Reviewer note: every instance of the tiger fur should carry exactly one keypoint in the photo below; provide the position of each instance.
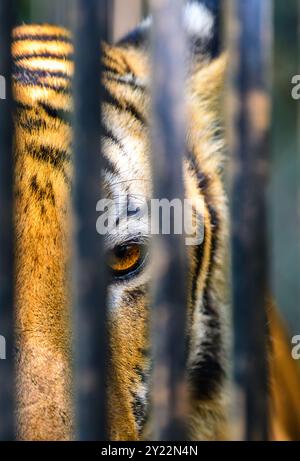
(42, 79)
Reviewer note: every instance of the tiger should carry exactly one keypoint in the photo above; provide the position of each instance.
(43, 69)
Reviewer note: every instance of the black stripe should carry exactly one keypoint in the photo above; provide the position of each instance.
(42, 192)
(124, 106)
(116, 62)
(31, 123)
(141, 374)
(27, 82)
(30, 120)
(107, 133)
(45, 55)
(21, 106)
(144, 352)
(35, 121)
(199, 249)
(136, 294)
(117, 78)
(111, 71)
(198, 255)
(202, 182)
(42, 38)
(207, 373)
(48, 154)
(40, 73)
(107, 163)
(202, 179)
(61, 114)
(214, 220)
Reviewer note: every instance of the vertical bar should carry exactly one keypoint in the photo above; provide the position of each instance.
(6, 225)
(59, 12)
(285, 172)
(91, 279)
(251, 56)
(168, 146)
(109, 11)
(145, 8)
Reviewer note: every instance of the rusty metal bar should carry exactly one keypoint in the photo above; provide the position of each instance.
(91, 279)
(250, 28)
(7, 428)
(170, 295)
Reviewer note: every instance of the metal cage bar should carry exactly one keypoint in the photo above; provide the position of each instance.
(7, 310)
(285, 165)
(250, 27)
(91, 278)
(250, 122)
(168, 146)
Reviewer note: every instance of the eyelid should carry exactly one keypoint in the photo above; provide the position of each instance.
(116, 241)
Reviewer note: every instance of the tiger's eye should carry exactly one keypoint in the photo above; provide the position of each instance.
(125, 259)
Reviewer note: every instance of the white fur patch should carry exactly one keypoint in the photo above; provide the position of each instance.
(198, 20)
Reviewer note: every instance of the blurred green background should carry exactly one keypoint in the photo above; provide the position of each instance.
(285, 164)
(127, 13)
(284, 225)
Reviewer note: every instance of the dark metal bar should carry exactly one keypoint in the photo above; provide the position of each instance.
(91, 279)
(145, 8)
(285, 165)
(168, 146)
(250, 61)
(109, 10)
(6, 226)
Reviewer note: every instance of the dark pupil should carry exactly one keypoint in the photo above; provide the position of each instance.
(121, 251)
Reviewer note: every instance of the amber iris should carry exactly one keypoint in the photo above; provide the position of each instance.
(125, 258)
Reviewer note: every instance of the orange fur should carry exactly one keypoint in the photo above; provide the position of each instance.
(43, 229)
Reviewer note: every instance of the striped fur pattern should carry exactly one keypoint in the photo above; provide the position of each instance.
(43, 69)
